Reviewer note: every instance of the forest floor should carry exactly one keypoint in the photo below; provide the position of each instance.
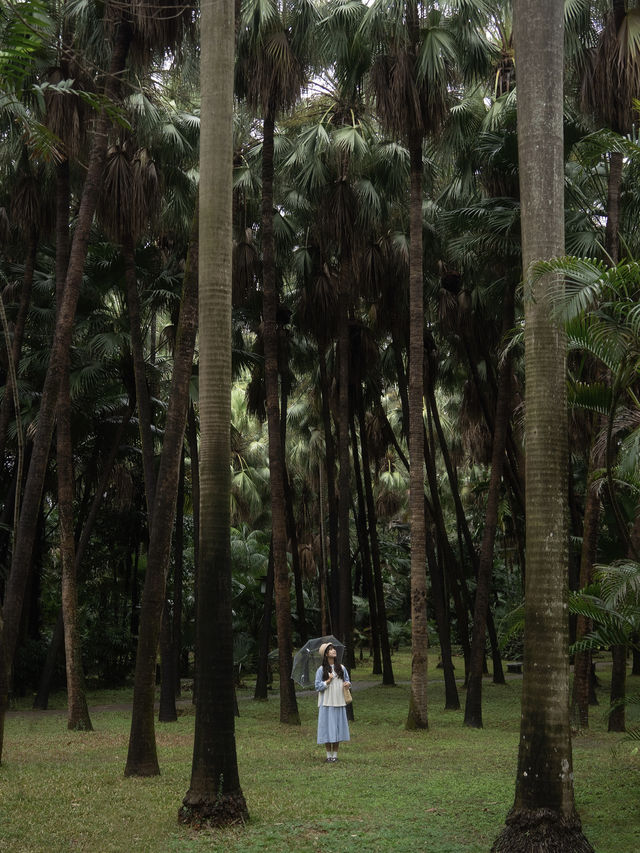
(445, 790)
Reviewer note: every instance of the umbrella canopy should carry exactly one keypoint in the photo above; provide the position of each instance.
(307, 659)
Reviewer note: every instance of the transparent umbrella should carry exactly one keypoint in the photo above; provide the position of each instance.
(307, 659)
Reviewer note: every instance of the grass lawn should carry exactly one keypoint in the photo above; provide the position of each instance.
(446, 790)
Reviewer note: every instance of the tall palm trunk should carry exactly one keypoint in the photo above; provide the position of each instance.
(214, 794)
(142, 759)
(330, 464)
(288, 704)
(21, 561)
(345, 616)
(417, 717)
(543, 817)
(473, 705)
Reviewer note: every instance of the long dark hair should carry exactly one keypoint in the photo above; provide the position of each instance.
(326, 666)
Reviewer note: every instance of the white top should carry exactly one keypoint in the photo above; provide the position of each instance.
(332, 694)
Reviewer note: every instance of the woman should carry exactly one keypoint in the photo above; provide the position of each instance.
(331, 678)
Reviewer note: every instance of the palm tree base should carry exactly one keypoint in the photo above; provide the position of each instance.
(199, 812)
(541, 831)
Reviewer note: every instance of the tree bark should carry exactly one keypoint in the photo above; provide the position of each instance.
(215, 796)
(417, 717)
(544, 816)
(288, 703)
(473, 704)
(381, 608)
(143, 398)
(365, 556)
(142, 759)
(345, 608)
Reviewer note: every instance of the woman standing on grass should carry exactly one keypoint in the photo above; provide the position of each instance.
(331, 679)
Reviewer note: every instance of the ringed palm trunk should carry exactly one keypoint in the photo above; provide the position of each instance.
(214, 794)
(21, 560)
(473, 704)
(417, 717)
(142, 759)
(288, 704)
(544, 816)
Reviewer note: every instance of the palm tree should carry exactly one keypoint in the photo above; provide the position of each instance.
(410, 76)
(215, 795)
(543, 816)
(274, 48)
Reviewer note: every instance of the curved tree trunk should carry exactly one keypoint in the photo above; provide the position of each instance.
(142, 759)
(544, 816)
(417, 717)
(288, 704)
(473, 705)
(21, 562)
(381, 609)
(215, 795)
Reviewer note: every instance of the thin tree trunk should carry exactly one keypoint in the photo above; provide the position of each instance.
(143, 398)
(21, 562)
(381, 609)
(288, 703)
(142, 759)
(363, 540)
(618, 689)
(417, 717)
(167, 712)
(178, 580)
(330, 459)
(345, 609)
(582, 660)
(440, 604)
(262, 676)
(473, 705)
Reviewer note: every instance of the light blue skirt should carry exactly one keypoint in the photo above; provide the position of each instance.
(332, 724)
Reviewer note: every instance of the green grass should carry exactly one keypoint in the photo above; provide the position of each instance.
(443, 791)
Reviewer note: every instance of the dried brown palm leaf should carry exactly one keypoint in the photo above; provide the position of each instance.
(474, 435)
(246, 268)
(308, 565)
(317, 306)
(66, 114)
